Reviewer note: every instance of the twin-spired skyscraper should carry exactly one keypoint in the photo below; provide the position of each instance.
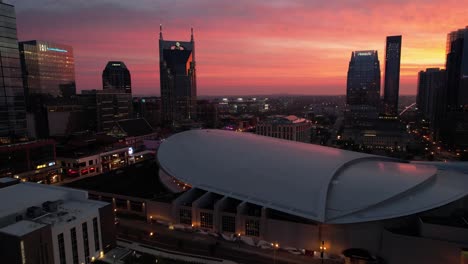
(178, 80)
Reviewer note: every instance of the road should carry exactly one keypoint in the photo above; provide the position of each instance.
(206, 245)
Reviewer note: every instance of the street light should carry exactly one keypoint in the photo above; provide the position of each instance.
(322, 250)
(275, 247)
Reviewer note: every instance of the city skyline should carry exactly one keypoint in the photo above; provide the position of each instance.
(269, 51)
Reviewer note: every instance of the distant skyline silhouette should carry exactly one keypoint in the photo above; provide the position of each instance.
(244, 47)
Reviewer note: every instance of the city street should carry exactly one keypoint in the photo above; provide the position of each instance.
(206, 245)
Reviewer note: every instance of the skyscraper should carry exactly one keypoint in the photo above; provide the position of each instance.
(178, 79)
(363, 85)
(116, 76)
(48, 68)
(12, 106)
(455, 131)
(392, 74)
(431, 88)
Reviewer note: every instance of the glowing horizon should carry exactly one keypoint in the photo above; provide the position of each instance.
(246, 47)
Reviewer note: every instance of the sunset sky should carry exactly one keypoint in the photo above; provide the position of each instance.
(244, 46)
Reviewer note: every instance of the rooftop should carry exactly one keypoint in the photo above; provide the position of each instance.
(72, 205)
(306, 180)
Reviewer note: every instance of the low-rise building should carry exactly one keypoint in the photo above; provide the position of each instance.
(285, 127)
(49, 224)
(30, 161)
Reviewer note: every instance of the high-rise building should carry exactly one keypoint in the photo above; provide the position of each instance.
(12, 105)
(455, 130)
(110, 105)
(392, 74)
(48, 68)
(178, 79)
(431, 88)
(363, 84)
(116, 76)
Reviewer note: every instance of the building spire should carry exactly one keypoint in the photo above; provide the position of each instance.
(160, 32)
(191, 34)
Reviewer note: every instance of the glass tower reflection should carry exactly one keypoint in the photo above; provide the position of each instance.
(12, 106)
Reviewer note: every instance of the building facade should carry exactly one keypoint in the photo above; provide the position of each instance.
(30, 161)
(363, 83)
(48, 68)
(12, 101)
(455, 130)
(392, 75)
(432, 85)
(53, 225)
(178, 80)
(285, 127)
(116, 76)
(110, 105)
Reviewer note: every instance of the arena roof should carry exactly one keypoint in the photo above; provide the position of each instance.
(324, 184)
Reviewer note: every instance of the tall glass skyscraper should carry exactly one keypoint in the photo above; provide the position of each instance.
(116, 76)
(12, 106)
(392, 74)
(363, 84)
(48, 68)
(455, 131)
(178, 79)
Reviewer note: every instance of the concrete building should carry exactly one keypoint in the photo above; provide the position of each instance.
(285, 127)
(52, 225)
(178, 80)
(86, 162)
(109, 106)
(306, 196)
(30, 161)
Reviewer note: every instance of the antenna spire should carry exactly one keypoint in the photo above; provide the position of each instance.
(160, 32)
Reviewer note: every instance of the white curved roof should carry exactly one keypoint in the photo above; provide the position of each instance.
(320, 183)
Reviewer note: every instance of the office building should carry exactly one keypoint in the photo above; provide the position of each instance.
(12, 102)
(455, 129)
(116, 76)
(33, 161)
(148, 108)
(363, 83)
(48, 68)
(53, 225)
(285, 127)
(432, 85)
(178, 80)
(305, 196)
(392, 75)
(109, 106)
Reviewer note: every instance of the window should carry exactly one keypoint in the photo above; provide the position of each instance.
(252, 227)
(74, 245)
(61, 244)
(206, 220)
(136, 206)
(84, 227)
(185, 216)
(228, 223)
(96, 234)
